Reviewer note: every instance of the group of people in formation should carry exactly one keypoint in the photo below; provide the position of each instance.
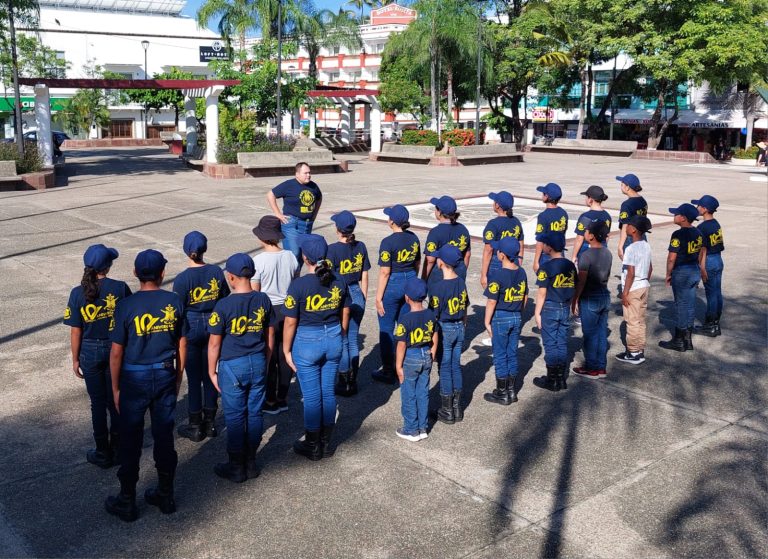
(243, 331)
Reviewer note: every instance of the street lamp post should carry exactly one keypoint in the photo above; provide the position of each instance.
(279, 69)
(479, 67)
(145, 46)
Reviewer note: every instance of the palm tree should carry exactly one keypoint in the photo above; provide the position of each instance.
(360, 5)
(324, 29)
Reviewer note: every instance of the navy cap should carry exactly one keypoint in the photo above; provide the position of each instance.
(240, 265)
(397, 213)
(345, 221)
(708, 202)
(596, 193)
(416, 289)
(149, 263)
(509, 246)
(450, 255)
(314, 247)
(504, 199)
(445, 204)
(195, 242)
(641, 223)
(556, 241)
(688, 211)
(99, 257)
(631, 181)
(552, 190)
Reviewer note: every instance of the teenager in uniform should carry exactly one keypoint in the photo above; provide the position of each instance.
(147, 363)
(504, 225)
(349, 260)
(552, 220)
(242, 330)
(507, 294)
(448, 231)
(316, 318)
(633, 205)
(556, 280)
(89, 311)
(200, 286)
(399, 260)
(595, 196)
(684, 263)
(712, 260)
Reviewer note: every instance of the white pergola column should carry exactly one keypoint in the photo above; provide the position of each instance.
(43, 118)
(191, 123)
(212, 121)
(375, 126)
(313, 123)
(347, 122)
(287, 123)
(367, 119)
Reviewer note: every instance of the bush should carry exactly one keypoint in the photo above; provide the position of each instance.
(227, 150)
(419, 138)
(32, 161)
(749, 153)
(459, 137)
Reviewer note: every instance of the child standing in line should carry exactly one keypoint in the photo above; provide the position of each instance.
(416, 339)
(712, 260)
(553, 219)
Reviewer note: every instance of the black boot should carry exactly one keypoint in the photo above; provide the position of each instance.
(688, 334)
(386, 374)
(501, 394)
(706, 329)
(341, 384)
(562, 370)
(716, 326)
(458, 411)
(445, 413)
(352, 380)
(550, 381)
(209, 422)
(234, 470)
(310, 446)
(325, 438)
(677, 343)
(123, 505)
(114, 446)
(194, 429)
(161, 496)
(252, 470)
(101, 456)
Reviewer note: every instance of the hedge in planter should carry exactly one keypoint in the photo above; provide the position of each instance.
(419, 138)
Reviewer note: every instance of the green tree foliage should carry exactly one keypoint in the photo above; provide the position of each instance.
(317, 29)
(402, 91)
(87, 106)
(34, 58)
(162, 98)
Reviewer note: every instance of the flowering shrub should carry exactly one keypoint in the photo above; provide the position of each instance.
(459, 137)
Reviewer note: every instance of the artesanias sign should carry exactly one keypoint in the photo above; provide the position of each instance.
(216, 51)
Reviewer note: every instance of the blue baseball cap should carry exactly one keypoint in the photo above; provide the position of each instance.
(688, 211)
(631, 181)
(397, 213)
(445, 204)
(345, 221)
(504, 199)
(195, 242)
(99, 257)
(450, 255)
(314, 247)
(149, 263)
(509, 246)
(708, 202)
(556, 241)
(416, 289)
(551, 189)
(240, 265)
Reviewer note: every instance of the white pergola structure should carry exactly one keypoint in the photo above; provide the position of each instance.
(191, 89)
(348, 99)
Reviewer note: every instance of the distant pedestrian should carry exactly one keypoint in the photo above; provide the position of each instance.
(633, 205)
(448, 231)
(552, 220)
(762, 147)
(712, 260)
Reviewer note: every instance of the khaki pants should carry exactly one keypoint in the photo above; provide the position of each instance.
(634, 315)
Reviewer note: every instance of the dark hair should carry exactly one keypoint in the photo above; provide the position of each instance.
(90, 284)
(349, 236)
(454, 217)
(404, 225)
(150, 278)
(551, 200)
(299, 165)
(599, 230)
(271, 242)
(510, 212)
(323, 272)
(197, 258)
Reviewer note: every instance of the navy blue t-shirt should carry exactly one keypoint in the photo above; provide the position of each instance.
(299, 200)
(508, 288)
(349, 260)
(243, 319)
(200, 288)
(449, 299)
(315, 304)
(446, 233)
(501, 227)
(712, 235)
(686, 242)
(400, 251)
(586, 219)
(552, 220)
(630, 207)
(559, 277)
(149, 325)
(416, 328)
(94, 318)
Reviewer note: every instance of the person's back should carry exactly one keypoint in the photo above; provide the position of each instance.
(274, 273)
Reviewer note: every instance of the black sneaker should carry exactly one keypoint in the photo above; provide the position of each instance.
(271, 408)
(631, 358)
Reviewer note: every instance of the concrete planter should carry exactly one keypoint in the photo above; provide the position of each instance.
(223, 171)
(40, 180)
(663, 155)
(444, 161)
(111, 143)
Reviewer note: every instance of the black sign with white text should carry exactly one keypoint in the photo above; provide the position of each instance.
(216, 51)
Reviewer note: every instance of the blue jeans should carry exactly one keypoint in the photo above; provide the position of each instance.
(449, 349)
(414, 391)
(351, 349)
(712, 287)
(316, 354)
(684, 281)
(554, 332)
(292, 230)
(505, 326)
(242, 382)
(94, 363)
(394, 307)
(141, 390)
(594, 327)
(201, 392)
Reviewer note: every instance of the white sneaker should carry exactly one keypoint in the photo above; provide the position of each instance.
(423, 435)
(408, 437)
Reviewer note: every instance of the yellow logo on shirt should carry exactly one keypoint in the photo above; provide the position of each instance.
(493, 287)
(247, 325)
(147, 324)
(489, 235)
(421, 335)
(461, 243)
(400, 330)
(514, 233)
(564, 281)
(385, 256)
(623, 215)
(435, 302)
(214, 319)
(716, 238)
(67, 313)
(317, 302)
(542, 275)
(90, 312)
(431, 246)
(201, 294)
(110, 301)
(408, 255)
(580, 226)
(675, 243)
(558, 225)
(539, 228)
(351, 266)
(512, 295)
(694, 246)
(456, 304)
(290, 302)
(307, 200)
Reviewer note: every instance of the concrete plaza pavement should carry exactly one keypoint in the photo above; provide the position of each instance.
(667, 459)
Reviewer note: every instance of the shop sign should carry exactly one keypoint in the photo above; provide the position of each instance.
(633, 121)
(28, 104)
(214, 51)
(706, 124)
(542, 114)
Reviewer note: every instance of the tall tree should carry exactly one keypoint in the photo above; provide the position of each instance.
(360, 5)
(159, 98)
(319, 29)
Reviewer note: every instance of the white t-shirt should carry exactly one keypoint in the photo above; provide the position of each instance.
(638, 255)
(274, 272)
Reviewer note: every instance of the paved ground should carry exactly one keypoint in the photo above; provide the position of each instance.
(663, 460)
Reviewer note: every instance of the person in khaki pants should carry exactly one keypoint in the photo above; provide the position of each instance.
(635, 278)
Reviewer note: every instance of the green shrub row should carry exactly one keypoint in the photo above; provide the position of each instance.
(30, 163)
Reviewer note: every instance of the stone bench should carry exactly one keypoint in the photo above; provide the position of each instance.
(196, 158)
(405, 154)
(8, 173)
(490, 153)
(621, 148)
(268, 163)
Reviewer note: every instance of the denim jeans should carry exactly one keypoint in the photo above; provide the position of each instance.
(554, 332)
(712, 287)
(505, 326)
(316, 354)
(394, 307)
(292, 230)
(449, 348)
(594, 327)
(94, 363)
(278, 372)
(242, 382)
(141, 390)
(414, 390)
(684, 281)
(201, 392)
(351, 345)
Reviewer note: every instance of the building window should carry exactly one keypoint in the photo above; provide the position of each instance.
(333, 51)
(374, 75)
(122, 128)
(353, 76)
(333, 76)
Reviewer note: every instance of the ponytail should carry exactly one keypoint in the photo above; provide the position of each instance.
(196, 258)
(510, 213)
(405, 225)
(90, 284)
(454, 217)
(324, 273)
(350, 237)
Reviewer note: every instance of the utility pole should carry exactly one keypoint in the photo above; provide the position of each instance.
(145, 46)
(16, 94)
(279, 114)
(479, 68)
